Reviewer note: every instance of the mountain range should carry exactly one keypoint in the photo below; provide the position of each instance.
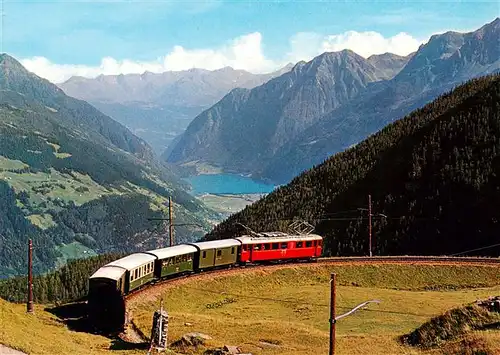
(297, 120)
(159, 106)
(433, 177)
(76, 181)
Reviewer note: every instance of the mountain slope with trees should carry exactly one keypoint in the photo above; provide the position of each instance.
(435, 174)
(445, 61)
(278, 130)
(74, 180)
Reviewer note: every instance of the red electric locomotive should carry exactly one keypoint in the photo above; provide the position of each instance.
(273, 246)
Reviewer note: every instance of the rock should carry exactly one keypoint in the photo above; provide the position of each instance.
(191, 339)
(226, 350)
(232, 349)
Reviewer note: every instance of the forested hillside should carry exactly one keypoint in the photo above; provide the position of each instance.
(66, 284)
(435, 174)
(75, 181)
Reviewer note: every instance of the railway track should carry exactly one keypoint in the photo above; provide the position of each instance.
(324, 260)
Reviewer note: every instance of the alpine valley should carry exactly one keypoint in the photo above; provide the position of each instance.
(159, 106)
(77, 182)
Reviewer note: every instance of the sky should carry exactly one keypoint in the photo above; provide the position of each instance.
(57, 39)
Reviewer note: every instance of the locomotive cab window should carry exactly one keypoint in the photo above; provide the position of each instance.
(232, 250)
(309, 244)
(298, 244)
(204, 255)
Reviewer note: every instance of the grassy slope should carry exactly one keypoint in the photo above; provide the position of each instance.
(300, 321)
(42, 334)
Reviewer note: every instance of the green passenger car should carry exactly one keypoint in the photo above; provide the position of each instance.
(216, 253)
(174, 260)
(139, 267)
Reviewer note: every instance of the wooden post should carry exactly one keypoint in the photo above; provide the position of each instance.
(332, 314)
(29, 305)
(171, 221)
(370, 222)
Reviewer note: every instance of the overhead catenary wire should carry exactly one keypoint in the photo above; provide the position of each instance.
(477, 249)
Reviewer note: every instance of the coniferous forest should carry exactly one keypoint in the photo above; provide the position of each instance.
(435, 174)
(68, 283)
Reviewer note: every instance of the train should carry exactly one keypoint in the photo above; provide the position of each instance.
(110, 284)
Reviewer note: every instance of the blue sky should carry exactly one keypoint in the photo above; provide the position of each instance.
(59, 38)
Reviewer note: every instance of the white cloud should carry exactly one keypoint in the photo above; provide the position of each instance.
(368, 43)
(243, 52)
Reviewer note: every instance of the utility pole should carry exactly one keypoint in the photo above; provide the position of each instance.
(171, 221)
(332, 314)
(29, 305)
(171, 224)
(370, 222)
(333, 317)
(370, 215)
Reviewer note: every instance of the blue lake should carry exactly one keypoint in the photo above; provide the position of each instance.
(227, 184)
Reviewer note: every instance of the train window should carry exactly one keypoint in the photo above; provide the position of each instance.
(256, 247)
(298, 244)
(232, 250)
(267, 246)
(244, 248)
(276, 245)
(309, 244)
(190, 257)
(219, 252)
(320, 242)
(136, 273)
(284, 245)
(204, 255)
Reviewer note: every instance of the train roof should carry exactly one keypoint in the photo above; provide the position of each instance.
(109, 272)
(133, 260)
(180, 249)
(223, 243)
(277, 238)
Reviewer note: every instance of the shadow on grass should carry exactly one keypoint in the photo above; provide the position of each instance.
(73, 315)
(120, 344)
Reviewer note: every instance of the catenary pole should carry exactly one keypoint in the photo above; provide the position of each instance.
(370, 222)
(29, 305)
(170, 221)
(332, 314)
